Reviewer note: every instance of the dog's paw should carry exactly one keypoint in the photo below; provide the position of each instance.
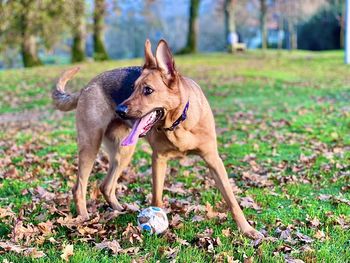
(118, 207)
(253, 234)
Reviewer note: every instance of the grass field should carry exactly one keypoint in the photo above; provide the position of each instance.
(283, 123)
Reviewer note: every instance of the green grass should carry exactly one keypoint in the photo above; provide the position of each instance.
(271, 111)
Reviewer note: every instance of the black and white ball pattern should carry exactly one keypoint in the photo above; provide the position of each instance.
(153, 219)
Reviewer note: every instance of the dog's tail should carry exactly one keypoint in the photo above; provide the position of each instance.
(62, 100)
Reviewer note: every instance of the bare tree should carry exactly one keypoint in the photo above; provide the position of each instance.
(230, 24)
(79, 30)
(191, 46)
(100, 52)
(263, 28)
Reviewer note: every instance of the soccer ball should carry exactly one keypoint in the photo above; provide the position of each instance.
(153, 219)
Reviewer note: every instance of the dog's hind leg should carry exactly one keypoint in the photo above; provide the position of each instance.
(89, 142)
(93, 115)
(119, 158)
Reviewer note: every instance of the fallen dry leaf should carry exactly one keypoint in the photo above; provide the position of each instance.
(176, 221)
(132, 234)
(113, 245)
(319, 235)
(226, 232)
(304, 238)
(67, 252)
(248, 202)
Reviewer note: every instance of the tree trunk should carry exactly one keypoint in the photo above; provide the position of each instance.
(28, 46)
(230, 25)
(191, 46)
(79, 31)
(29, 51)
(342, 26)
(293, 36)
(263, 14)
(99, 47)
(280, 33)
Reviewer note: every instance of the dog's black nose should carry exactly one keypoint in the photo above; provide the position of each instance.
(122, 110)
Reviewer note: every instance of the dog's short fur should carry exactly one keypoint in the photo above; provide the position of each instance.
(97, 122)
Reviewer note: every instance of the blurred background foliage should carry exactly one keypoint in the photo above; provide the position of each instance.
(33, 32)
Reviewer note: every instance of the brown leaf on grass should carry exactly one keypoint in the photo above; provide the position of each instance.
(130, 250)
(285, 233)
(214, 214)
(254, 179)
(26, 233)
(226, 232)
(338, 199)
(67, 252)
(223, 257)
(70, 222)
(210, 211)
(320, 235)
(197, 218)
(176, 221)
(179, 206)
(284, 248)
(11, 173)
(343, 222)
(289, 259)
(248, 202)
(304, 238)
(95, 191)
(334, 199)
(85, 230)
(33, 253)
(6, 213)
(248, 260)
(8, 246)
(171, 237)
(132, 234)
(29, 252)
(206, 241)
(177, 188)
(44, 194)
(168, 252)
(46, 227)
(314, 222)
(113, 245)
(195, 209)
(110, 215)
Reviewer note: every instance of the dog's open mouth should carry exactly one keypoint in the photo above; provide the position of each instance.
(142, 126)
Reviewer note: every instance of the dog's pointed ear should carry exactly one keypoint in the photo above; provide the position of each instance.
(150, 60)
(165, 60)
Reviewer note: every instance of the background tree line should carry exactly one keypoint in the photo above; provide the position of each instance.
(85, 27)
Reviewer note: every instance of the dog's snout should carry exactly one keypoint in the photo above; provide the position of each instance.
(122, 110)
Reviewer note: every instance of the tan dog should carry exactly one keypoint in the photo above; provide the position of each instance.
(171, 111)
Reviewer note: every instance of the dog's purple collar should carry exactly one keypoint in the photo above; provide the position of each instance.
(180, 119)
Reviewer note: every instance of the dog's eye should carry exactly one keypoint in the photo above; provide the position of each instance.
(147, 91)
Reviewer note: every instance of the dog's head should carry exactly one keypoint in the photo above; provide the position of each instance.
(156, 92)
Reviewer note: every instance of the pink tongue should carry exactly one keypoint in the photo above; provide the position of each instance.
(133, 136)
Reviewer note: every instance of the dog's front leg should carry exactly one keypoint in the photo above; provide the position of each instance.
(218, 172)
(159, 165)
